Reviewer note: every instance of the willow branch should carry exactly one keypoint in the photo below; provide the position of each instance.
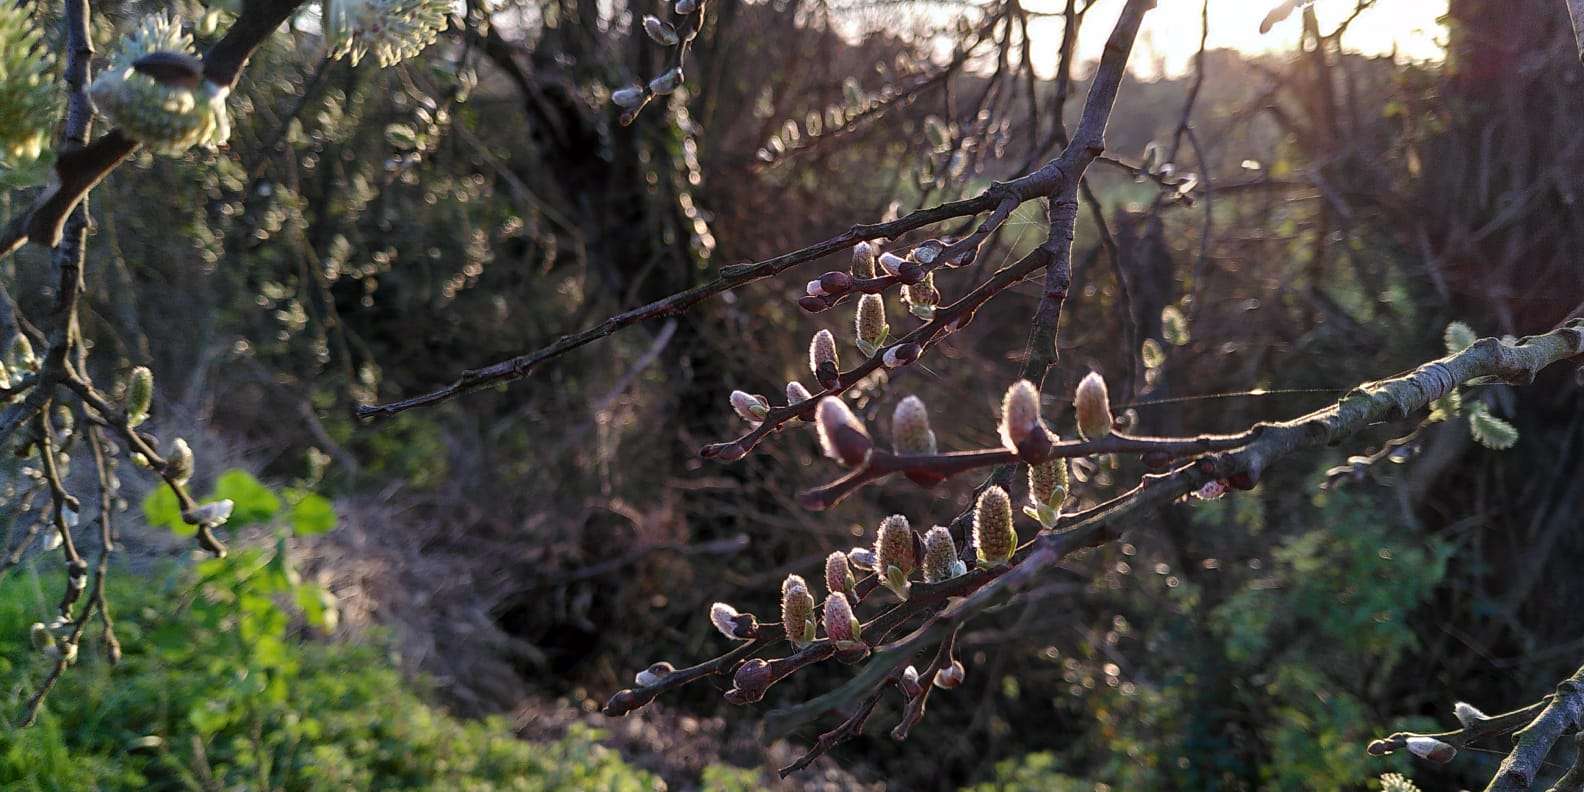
(1158, 453)
(1565, 711)
(1368, 404)
(947, 320)
(116, 419)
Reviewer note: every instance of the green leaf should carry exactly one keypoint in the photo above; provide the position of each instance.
(254, 503)
(311, 514)
(318, 607)
(1490, 431)
(1459, 337)
(161, 508)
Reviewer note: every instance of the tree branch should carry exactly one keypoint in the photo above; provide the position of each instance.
(79, 169)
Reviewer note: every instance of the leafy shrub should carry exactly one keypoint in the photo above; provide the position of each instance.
(214, 692)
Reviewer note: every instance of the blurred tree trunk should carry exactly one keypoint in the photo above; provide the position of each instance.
(1500, 188)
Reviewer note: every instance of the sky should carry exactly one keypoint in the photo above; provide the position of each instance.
(1170, 33)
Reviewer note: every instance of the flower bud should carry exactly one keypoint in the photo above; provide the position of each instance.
(1020, 414)
(994, 535)
(685, 7)
(660, 32)
(628, 96)
(951, 676)
(179, 461)
(1048, 486)
(1431, 749)
(29, 101)
(1467, 714)
(928, 251)
(861, 558)
(892, 263)
(910, 272)
(940, 555)
(753, 676)
(796, 393)
(153, 90)
(838, 574)
(171, 68)
(1048, 483)
(797, 611)
(842, 435)
(1211, 490)
(1093, 406)
(901, 355)
(895, 554)
(863, 260)
(910, 428)
(653, 674)
(751, 407)
(840, 623)
(140, 394)
(909, 682)
(733, 624)
(210, 514)
(835, 283)
(870, 323)
(823, 361)
(393, 30)
(41, 637)
(21, 354)
(921, 298)
(65, 650)
(622, 703)
(666, 83)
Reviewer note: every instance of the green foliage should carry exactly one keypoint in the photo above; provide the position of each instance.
(306, 512)
(29, 98)
(254, 502)
(725, 778)
(213, 693)
(1035, 772)
(1278, 666)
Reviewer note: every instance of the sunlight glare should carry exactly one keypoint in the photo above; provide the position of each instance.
(1170, 33)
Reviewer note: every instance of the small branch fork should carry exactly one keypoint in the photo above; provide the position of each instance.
(939, 610)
